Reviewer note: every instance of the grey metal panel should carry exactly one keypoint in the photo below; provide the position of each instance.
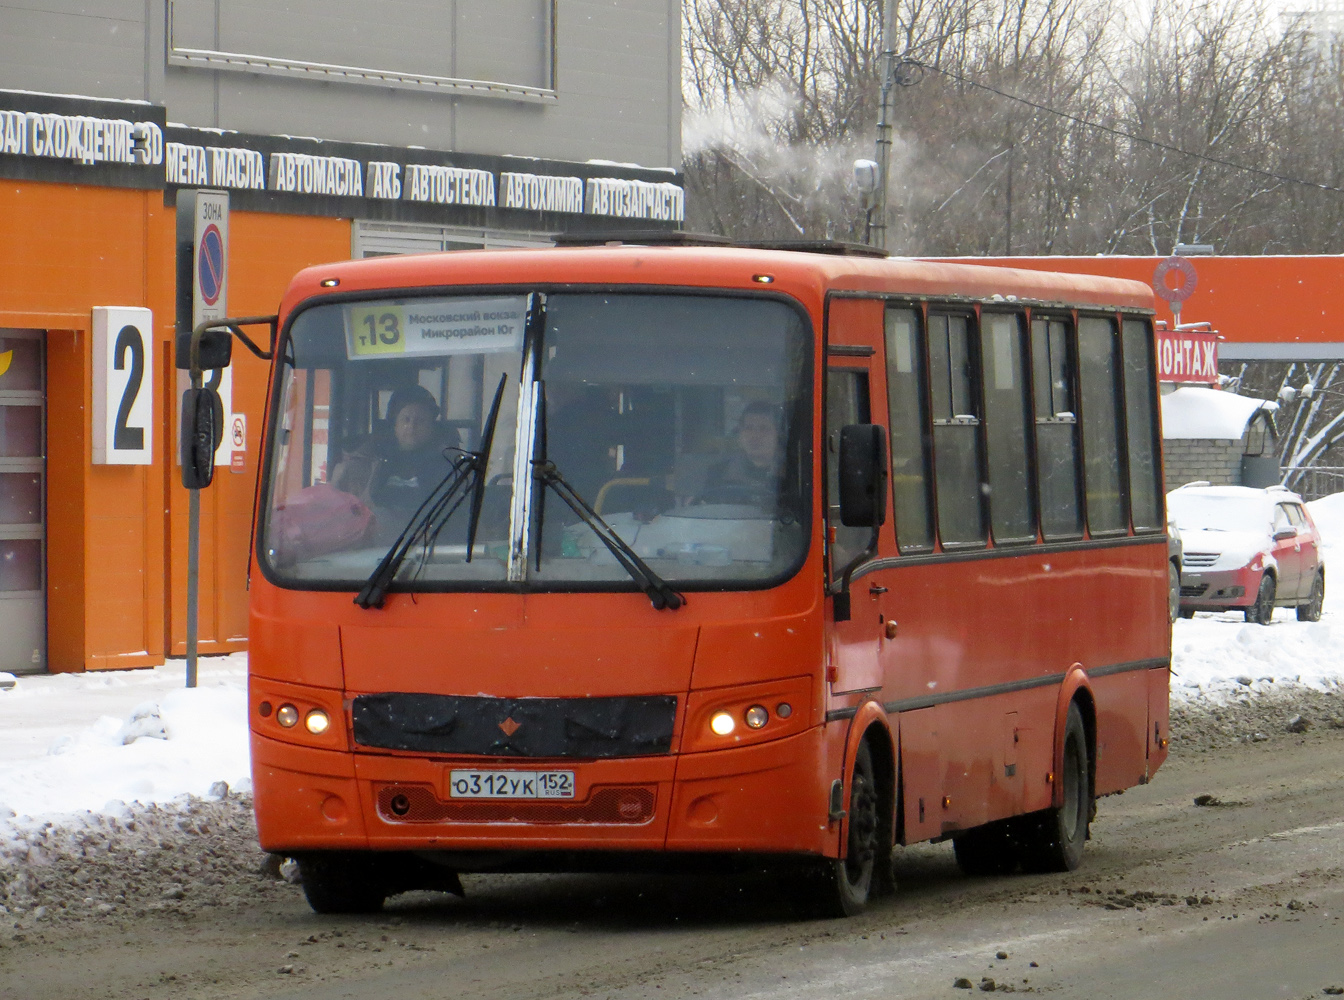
(404, 35)
(62, 50)
(615, 99)
(406, 44)
(195, 23)
(1272, 351)
(612, 78)
(616, 66)
(503, 40)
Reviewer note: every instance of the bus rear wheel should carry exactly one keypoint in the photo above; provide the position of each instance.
(847, 882)
(1052, 840)
(337, 882)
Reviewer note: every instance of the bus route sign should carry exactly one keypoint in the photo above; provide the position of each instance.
(435, 327)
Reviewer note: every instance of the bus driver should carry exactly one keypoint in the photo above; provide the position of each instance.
(751, 474)
(410, 471)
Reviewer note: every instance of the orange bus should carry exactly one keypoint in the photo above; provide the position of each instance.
(636, 556)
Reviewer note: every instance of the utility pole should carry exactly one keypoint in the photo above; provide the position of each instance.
(878, 229)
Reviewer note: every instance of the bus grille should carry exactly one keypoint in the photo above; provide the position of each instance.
(636, 726)
(625, 805)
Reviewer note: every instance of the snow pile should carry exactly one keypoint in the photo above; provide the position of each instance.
(64, 751)
(1192, 412)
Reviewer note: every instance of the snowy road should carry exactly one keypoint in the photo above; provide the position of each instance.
(1265, 872)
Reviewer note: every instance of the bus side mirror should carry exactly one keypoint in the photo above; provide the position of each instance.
(202, 432)
(863, 475)
(214, 351)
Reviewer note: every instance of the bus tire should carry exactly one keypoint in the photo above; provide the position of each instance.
(335, 882)
(1262, 611)
(847, 882)
(1053, 839)
(991, 849)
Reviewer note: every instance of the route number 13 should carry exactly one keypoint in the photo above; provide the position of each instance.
(123, 385)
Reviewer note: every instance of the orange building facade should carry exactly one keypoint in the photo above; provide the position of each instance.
(1264, 308)
(92, 555)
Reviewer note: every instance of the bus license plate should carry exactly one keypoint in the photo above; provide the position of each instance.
(511, 784)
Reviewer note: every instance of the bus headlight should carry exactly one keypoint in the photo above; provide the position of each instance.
(756, 717)
(317, 722)
(287, 716)
(722, 723)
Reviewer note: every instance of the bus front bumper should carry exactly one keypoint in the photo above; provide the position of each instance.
(752, 799)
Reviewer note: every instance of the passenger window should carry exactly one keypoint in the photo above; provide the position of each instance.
(1098, 371)
(1002, 345)
(909, 438)
(1056, 429)
(847, 402)
(1145, 483)
(1296, 515)
(956, 431)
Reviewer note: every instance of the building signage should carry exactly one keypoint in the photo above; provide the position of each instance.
(447, 185)
(127, 144)
(83, 138)
(123, 386)
(1187, 356)
(629, 199)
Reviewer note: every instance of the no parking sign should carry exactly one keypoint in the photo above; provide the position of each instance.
(210, 257)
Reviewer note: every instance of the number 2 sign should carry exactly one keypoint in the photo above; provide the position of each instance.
(123, 385)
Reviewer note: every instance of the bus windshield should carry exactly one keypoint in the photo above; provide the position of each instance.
(680, 420)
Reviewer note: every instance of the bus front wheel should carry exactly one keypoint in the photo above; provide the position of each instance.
(338, 882)
(1053, 839)
(847, 882)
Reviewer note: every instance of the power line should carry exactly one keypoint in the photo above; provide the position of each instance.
(903, 75)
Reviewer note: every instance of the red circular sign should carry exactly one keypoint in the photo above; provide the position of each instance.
(1185, 269)
(210, 264)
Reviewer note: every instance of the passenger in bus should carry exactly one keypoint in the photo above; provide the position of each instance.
(751, 473)
(411, 469)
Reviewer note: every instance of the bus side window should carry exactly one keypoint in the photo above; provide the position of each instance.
(1012, 516)
(847, 402)
(1103, 418)
(1145, 486)
(956, 431)
(909, 438)
(1056, 429)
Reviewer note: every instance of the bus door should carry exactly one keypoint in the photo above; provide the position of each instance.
(855, 394)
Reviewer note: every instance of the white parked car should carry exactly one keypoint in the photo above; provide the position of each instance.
(1247, 548)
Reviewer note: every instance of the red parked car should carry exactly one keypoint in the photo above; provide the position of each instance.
(1253, 549)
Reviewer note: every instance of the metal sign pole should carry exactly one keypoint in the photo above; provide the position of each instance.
(193, 586)
(203, 226)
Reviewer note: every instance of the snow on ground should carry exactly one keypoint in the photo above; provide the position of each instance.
(71, 743)
(76, 747)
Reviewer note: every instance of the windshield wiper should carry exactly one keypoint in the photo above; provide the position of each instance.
(660, 592)
(424, 526)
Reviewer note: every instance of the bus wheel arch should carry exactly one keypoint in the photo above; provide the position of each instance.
(862, 869)
(1052, 840)
(1076, 689)
(886, 770)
